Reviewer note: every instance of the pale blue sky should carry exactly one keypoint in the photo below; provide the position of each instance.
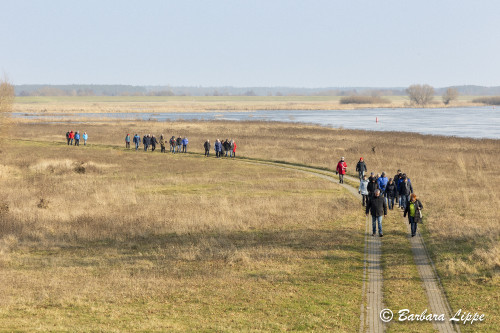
(251, 43)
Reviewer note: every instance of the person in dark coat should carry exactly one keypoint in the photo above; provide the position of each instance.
(67, 137)
(226, 147)
(206, 145)
(390, 193)
(396, 182)
(413, 210)
(179, 144)
(378, 209)
(372, 187)
(172, 142)
(361, 168)
(154, 142)
(405, 189)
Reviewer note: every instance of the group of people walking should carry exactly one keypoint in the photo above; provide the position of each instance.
(381, 193)
(222, 148)
(75, 137)
(180, 144)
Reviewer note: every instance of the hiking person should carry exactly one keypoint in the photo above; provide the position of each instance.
(127, 141)
(154, 142)
(390, 193)
(361, 168)
(218, 148)
(71, 136)
(363, 189)
(162, 144)
(382, 183)
(341, 169)
(371, 176)
(144, 142)
(372, 187)
(85, 137)
(233, 148)
(405, 189)
(206, 145)
(414, 212)
(67, 137)
(172, 144)
(179, 144)
(227, 147)
(378, 209)
(137, 141)
(396, 181)
(77, 139)
(185, 142)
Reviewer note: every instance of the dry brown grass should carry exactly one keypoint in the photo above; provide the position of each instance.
(143, 241)
(454, 178)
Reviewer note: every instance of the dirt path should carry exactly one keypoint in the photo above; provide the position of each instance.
(372, 297)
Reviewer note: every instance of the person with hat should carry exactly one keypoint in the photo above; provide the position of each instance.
(361, 168)
(413, 210)
(341, 169)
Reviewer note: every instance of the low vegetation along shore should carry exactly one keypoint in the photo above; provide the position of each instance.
(145, 104)
(108, 239)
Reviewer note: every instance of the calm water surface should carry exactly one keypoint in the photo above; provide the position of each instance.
(472, 122)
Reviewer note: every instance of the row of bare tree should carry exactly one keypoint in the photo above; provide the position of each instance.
(424, 94)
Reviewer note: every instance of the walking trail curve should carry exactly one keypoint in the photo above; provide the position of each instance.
(372, 303)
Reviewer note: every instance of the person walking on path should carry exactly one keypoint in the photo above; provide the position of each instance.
(206, 145)
(396, 182)
(363, 189)
(382, 183)
(378, 209)
(144, 142)
(85, 137)
(361, 168)
(172, 144)
(390, 193)
(372, 187)
(137, 141)
(77, 139)
(233, 149)
(185, 142)
(162, 144)
(405, 189)
(71, 137)
(179, 144)
(154, 142)
(414, 212)
(127, 141)
(341, 169)
(67, 137)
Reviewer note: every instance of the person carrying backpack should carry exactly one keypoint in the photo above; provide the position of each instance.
(185, 142)
(361, 168)
(382, 183)
(405, 189)
(341, 169)
(77, 139)
(414, 212)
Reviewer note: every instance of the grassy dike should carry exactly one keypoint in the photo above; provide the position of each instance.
(140, 241)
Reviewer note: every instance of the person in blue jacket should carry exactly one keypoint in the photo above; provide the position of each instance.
(137, 141)
(184, 145)
(77, 139)
(85, 137)
(218, 148)
(382, 183)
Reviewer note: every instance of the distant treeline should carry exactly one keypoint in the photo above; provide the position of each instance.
(128, 90)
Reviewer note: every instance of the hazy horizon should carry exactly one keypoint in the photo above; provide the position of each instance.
(318, 44)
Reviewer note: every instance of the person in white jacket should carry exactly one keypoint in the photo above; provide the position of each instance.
(363, 189)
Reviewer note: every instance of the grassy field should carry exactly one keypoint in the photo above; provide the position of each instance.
(64, 104)
(101, 239)
(243, 250)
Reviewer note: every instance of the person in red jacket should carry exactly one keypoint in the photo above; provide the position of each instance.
(341, 168)
(71, 137)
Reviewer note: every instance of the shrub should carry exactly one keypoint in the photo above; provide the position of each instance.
(495, 100)
(363, 100)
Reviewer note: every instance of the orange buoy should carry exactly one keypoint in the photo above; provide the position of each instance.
(376, 119)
